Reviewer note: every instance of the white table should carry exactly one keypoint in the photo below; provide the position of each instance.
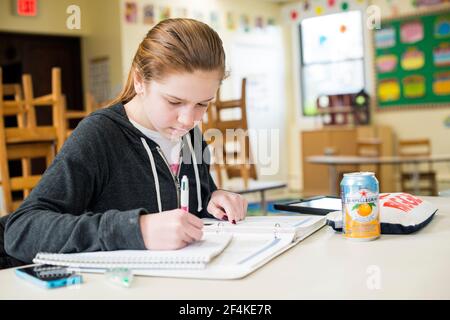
(323, 266)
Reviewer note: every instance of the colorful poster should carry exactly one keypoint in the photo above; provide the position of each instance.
(293, 15)
(386, 63)
(441, 83)
(442, 27)
(414, 86)
(447, 122)
(424, 3)
(413, 59)
(214, 20)
(244, 23)
(388, 90)
(164, 13)
(385, 38)
(411, 32)
(441, 55)
(231, 24)
(259, 22)
(131, 12)
(149, 14)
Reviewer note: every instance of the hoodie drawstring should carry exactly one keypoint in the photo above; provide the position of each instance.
(155, 174)
(197, 177)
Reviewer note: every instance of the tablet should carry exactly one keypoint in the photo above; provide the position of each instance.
(320, 205)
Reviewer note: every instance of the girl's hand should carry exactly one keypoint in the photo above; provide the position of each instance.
(170, 230)
(227, 206)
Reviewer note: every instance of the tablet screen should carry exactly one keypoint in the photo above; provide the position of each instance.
(322, 203)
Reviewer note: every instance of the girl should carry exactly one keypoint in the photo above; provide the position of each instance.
(124, 162)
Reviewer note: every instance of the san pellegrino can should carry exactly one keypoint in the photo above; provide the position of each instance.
(360, 206)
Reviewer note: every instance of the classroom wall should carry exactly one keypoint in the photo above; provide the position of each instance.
(104, 40)
(99, 29)
(405, 123)
(51, 18)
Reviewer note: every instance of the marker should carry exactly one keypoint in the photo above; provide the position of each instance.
(185, 194)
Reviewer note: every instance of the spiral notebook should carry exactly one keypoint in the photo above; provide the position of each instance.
(255, 242)
(193, 256)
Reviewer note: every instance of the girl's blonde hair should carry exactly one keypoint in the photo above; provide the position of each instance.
(174, 45)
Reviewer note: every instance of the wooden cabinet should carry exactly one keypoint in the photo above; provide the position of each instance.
(342, 141)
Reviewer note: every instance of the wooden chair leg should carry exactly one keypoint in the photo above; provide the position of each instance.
(28, 96)
(434, 186)
(58, 100)
(26, 172)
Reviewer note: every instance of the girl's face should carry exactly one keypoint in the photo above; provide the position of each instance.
(176, 104)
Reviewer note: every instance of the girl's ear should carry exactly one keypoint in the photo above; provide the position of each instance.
(138, 83)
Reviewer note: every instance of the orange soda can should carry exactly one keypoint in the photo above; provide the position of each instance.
(360, 206)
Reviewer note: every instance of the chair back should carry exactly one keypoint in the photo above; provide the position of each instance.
(232, 152)
(427, 176)
(26, 141)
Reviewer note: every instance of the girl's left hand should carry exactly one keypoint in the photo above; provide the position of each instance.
(226, 205)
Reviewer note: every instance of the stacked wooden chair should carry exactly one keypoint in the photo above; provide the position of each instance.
(27, 140)
(371, 148)
(427, 182)
(232, 153)
(76, 115)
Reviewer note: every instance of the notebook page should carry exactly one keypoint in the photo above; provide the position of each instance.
(247, 250)
(194, 255)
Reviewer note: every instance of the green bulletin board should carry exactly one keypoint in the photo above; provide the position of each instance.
(412, 61)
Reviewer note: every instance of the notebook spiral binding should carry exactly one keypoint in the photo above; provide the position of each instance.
(168, 260)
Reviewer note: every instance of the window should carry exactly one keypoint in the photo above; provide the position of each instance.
(332, 51)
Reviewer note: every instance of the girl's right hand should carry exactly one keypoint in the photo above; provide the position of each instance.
(170, 230)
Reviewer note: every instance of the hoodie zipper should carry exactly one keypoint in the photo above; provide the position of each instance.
(175, 178)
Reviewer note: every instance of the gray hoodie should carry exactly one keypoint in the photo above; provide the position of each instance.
(106, 175)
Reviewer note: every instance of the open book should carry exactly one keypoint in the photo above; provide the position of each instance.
(194, 256)
(256, 241)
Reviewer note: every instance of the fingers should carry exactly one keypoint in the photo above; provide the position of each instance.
(233, 207)
(190, 227)
(240, 205)
(194, 221)
(192, 233)
(217, 211)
